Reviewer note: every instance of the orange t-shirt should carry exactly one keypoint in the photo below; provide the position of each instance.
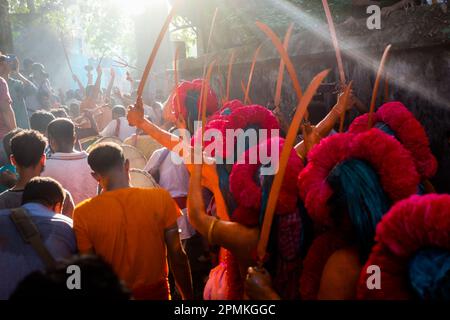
(126, 228)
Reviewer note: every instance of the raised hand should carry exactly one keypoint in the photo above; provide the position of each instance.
(99, 70)
(258, 284)
(135, 114)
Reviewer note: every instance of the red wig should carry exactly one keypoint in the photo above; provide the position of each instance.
(413, 224)
(407, 130)
(234, 117)
(181, 94)
(393, 164)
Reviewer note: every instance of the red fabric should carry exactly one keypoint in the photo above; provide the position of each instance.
(226, 109)
(182, 92)
(416, 223)
(407, 130)
(247, 192)
(288, 258)
(394, 165)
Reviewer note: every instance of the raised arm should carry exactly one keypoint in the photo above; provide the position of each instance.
(80, 85)
(324, 128)
(110, 84)
(6, 111)
(231, 235)
(97, 85)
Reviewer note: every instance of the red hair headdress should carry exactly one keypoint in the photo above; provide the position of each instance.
(234, 116)
(407, 130)
(413, 224)
(393, 164)
(181, 94)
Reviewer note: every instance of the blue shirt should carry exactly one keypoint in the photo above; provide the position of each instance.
(18, 259)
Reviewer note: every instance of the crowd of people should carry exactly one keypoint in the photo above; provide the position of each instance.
(349, 201)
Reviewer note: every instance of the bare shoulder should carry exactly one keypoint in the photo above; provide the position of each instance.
(340, 275)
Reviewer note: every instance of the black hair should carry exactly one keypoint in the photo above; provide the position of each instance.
(98, 281)
(106, 156)
(59, 113)
(28, 147)
(62, 131)
(119, 110)
(40, 120)
(43, 190)
(7, 140)
(74, 109)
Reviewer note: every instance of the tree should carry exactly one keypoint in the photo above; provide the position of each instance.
(6, 42)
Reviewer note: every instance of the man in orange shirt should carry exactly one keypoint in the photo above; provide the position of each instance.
(132, 229)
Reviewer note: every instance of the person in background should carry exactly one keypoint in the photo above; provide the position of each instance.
(27, 67)
(8, 173)
(66, 165)
(19, 88)
(135, 230)
(86, 125)
(42, 201)
(43, 98)
(7, 117)
(27, 155)
(59, 113)
(98, 282)
(74, 110)
(119, 126)
(40, 120)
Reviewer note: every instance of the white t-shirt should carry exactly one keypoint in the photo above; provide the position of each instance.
(174, 177)
(73, 172)
(124, 129)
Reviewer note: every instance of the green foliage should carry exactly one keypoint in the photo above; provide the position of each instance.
(182, 30)
(103, 28)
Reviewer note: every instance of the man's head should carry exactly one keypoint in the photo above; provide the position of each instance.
(45, 191)
(44, 99)
(74, 110)
(59, 112)
(27, 150)
(119, 111)
(27, 64)
(61, 135)
(7, 140)
(38, 71)
(109, 166)
(5, 64)
(70, 94)
(98, 281)
(40, 120)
